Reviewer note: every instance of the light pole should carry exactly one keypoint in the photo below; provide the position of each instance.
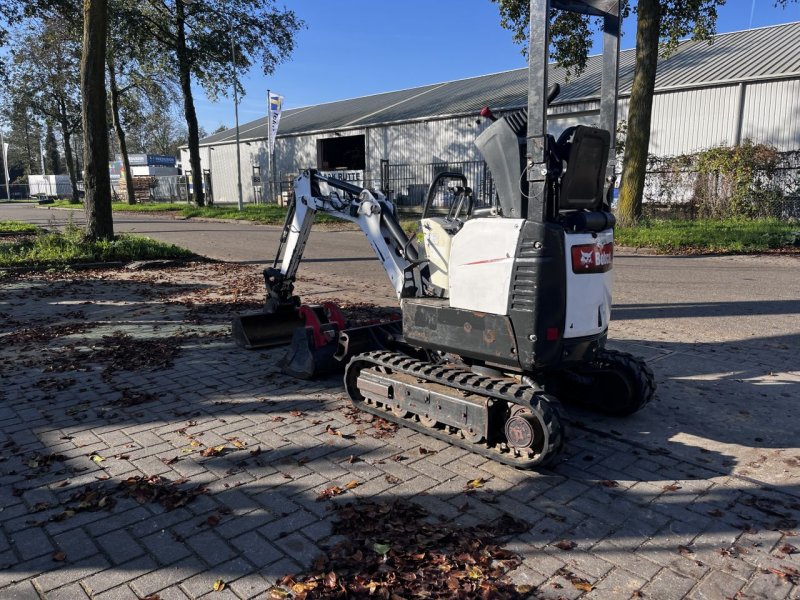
(236, 116)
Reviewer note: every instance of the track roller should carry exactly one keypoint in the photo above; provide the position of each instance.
(496, 417)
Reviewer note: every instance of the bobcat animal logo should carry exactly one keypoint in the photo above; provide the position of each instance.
(586, 258)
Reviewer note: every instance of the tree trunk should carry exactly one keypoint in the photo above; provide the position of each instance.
(123, 147)
(184, 71)
(99, 222)
(637, 143)
(73, 176)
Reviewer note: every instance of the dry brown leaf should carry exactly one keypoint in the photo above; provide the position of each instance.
(565, 545)
(276, 593)
(213, 451)
(609, 483)
(219, 585)
(59, 556)
(673, 487)
(351, 484)
(331, 579)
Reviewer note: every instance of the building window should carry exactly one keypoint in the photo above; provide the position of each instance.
(344, 152)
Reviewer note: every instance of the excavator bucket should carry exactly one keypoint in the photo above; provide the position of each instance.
(266, 330)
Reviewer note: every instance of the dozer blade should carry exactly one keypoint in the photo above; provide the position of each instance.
(266, 330)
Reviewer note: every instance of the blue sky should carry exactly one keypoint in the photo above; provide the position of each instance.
(351, 48)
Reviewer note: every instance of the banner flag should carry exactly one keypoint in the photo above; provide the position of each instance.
(275, 106)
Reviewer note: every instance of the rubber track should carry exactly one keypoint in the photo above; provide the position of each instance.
(645, 378)
(546, 407)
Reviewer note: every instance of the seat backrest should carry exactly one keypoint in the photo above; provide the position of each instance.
(583, 182)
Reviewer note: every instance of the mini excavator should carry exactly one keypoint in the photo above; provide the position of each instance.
(505, 309)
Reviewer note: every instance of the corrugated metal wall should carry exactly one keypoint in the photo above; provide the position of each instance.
(772, 113)
(684, 121)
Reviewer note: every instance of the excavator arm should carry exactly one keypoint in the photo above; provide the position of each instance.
(371, 211)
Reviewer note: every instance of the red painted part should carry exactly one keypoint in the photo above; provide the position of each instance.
(552, 334)
(334, 314)
(313, 323)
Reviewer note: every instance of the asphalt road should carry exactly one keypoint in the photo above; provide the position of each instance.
(686, 299)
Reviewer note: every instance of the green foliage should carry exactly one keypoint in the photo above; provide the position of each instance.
(17, 227)
(47, 250)
(725, 181)
(710, 235)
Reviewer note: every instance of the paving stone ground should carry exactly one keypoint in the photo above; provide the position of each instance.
(696, 497)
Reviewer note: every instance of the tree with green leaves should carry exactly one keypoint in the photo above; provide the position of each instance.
(661, 24)
(196, 36)
(45, 63)
(52, 158)
(23, 137)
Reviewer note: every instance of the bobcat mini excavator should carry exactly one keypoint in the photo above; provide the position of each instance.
(505, 310)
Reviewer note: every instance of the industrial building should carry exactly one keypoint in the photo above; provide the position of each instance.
(741, 85)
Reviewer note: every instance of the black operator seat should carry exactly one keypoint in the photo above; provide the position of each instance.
(583, 183)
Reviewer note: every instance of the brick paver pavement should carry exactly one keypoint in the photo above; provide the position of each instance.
(683, 515)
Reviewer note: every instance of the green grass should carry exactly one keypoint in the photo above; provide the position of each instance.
(267, 214)
(17, 227)
(48, 250)
(713, 236)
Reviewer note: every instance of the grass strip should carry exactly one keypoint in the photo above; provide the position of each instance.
(711, 236)
(59, 249)
(17, 227)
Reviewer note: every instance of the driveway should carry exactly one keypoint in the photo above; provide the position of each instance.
(697, 495)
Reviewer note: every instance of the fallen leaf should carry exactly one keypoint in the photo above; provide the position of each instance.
(565, 545)
(219, 585)
(685, 550)
(170, 461)
(392, 479)
(331, 579)
(474, 573)
(475, 484)
(276, 593)
(152, 597)
(213, 451)
(609, 483)
(59, 556)
(194, 443)
(97, 458)
(787, 549)
(584, 586)
(673, 487)
(351, 484)
(381, 548)
(329, 493)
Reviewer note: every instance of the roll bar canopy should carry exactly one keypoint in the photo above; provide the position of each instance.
(538, 59)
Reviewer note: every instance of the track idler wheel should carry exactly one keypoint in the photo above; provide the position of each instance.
(616, 383)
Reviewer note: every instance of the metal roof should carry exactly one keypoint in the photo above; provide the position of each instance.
(753, 54)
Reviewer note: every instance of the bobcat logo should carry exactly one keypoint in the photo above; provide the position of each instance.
(586, 258)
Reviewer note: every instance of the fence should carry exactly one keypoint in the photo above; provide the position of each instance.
(677, 188)
(407, 184)
(674, 188)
